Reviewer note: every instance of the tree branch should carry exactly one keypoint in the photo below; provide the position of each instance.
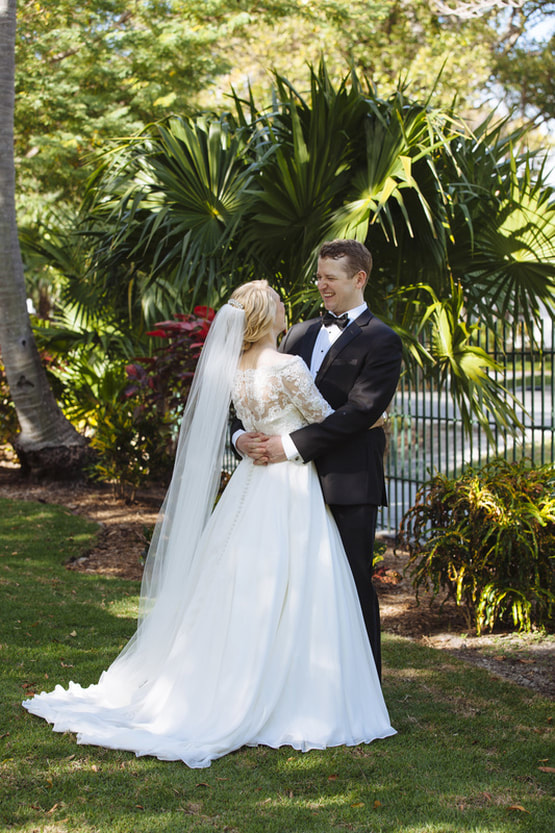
(466, 9)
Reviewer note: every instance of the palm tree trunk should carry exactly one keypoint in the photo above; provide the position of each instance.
(47, 442)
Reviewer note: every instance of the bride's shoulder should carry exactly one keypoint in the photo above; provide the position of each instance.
(289, 362)
(294, 366)
(283, 364)
(278, 361)
(273, 362)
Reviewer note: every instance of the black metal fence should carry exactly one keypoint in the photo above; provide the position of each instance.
(426, 433)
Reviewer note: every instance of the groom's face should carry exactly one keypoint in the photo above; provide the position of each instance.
(341, 290)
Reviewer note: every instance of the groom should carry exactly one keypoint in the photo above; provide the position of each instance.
(355, 359)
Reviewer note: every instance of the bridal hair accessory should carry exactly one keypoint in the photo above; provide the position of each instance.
(234, 303)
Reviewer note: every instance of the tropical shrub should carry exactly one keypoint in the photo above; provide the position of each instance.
(129, 450)
(125, 390)
(487, 538)
(137, 428)
(91, 387)
(160, 383)
(460, 221)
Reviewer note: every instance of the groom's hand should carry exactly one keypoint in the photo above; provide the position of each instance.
(273, 450)
(251, 444)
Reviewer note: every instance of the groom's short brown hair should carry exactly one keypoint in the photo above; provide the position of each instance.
(358, 255)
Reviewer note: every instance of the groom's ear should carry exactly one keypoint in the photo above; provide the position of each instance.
(360, 279)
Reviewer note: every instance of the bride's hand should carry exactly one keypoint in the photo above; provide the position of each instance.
(251, 444)
(273, 450)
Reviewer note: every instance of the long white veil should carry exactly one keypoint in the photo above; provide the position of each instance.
(188, 502)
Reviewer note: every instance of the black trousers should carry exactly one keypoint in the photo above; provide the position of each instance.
(357, 527)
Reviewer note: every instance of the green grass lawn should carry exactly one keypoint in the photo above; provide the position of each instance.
(468, 755)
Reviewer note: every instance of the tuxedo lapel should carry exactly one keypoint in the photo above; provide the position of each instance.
(306, 344)
(348, 334)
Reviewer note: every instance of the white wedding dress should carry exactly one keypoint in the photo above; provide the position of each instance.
(268, 644)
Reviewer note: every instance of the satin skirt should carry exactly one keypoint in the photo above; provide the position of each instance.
(266, 646)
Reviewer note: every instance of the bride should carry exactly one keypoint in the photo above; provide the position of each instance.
(250, 630)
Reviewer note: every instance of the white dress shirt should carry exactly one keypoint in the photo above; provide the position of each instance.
(324, 340)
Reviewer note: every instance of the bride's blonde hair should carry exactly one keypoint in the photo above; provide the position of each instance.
(260, 310)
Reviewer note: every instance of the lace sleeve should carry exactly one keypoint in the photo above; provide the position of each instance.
(303, 392)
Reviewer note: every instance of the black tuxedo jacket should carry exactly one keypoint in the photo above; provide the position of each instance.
(358, 378)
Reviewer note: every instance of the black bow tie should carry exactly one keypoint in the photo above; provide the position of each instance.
(340, 321)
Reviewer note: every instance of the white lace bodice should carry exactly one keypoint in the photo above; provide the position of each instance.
(279, 398)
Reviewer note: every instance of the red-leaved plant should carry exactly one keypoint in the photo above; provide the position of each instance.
(135, 440)
(161, 382)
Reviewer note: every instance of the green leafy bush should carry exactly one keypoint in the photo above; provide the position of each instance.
(488, 539)
(130, 447)
(129, 406)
